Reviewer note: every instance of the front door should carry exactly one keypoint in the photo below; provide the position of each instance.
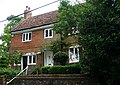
(24, 62)
(48, 58)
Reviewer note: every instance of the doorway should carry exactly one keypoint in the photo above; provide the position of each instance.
(24, 62)
(48, 58)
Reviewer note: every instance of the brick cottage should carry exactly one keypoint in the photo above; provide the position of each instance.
(34, 33)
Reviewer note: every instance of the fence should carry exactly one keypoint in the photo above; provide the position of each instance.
(55, 79)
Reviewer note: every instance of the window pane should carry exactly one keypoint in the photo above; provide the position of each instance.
(30, 35)
(30, 59)
(34, 59)
(50, 32)
(71, 50)
(26, 36)
(76, 53)
(46, 33)
(23, 37)
(71, 54)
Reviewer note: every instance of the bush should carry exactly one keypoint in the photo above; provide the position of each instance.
(9, 73)
(60, 57)
(45, 69)
(4, 62)
(37, 70)
(69, 69)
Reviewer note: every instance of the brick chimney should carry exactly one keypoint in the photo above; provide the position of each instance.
(27, 13)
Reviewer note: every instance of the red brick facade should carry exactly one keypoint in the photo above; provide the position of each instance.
(34, 45)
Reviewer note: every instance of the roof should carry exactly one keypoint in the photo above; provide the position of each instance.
(35, 21)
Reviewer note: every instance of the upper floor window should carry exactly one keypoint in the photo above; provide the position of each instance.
(26, 37)
(48, 33)
(74, 54)
(74, 30)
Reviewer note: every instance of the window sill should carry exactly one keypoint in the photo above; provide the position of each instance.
(47, 37)
(26, 41)
(73, 61)
(32, 64)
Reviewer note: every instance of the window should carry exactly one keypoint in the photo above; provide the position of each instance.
(48, 33)
(31, 60)
(74, 54)
(26, 37)
(74, 30)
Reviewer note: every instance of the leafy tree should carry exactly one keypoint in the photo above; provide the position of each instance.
(6, 36)
(100, 37)
(67, 20)
(99, 33)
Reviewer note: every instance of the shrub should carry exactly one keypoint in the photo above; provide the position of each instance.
(4, 62)
(69, 69)
(36, 70)
(60, 57)
(45, 69)
(9, 73)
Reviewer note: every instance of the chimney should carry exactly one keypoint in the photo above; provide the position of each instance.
(27, 13)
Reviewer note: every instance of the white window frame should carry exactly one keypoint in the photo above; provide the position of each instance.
(72, 59)
(48, 33)
(32, 63)
(24, 37)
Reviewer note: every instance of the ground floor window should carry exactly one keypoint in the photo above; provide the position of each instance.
(74, 54)
(31, 59)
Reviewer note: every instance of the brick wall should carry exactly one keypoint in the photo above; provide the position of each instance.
(55, 79)
(37, 42)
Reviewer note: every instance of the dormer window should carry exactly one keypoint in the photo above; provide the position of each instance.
(26, 37)
(48, 33)
(74, 30)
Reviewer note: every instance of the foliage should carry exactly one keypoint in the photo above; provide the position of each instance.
(3, 62)
(16, 57)
(68, 69)
(36, 70)
(60, 57)
(66, 19)
(99, 33)
(6, 36)
(8, 73)
(55, 46)
(100, 37)
(45, 69)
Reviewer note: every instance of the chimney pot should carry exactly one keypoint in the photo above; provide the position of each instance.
(27, 13)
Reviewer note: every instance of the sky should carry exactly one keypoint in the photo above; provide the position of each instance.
(16, 7)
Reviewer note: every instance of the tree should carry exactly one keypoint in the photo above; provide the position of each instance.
(99, 33)
(6, 36)
(100, 37)
(67, 20)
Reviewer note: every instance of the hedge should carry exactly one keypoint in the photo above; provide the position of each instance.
(68, 69)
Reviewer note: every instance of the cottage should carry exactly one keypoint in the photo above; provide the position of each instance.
(32, 34)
